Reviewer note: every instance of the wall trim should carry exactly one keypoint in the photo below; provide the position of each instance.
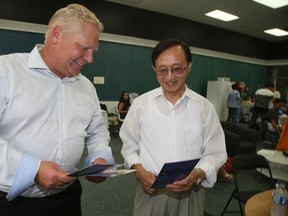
(40, 28)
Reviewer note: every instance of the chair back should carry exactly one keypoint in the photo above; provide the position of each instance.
(232, 142)
(252, 162)
(248, 137)
(273, 136)
(118, 114)
(104, 107)
(247, 162)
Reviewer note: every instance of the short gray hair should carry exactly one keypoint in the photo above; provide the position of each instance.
(70, 16)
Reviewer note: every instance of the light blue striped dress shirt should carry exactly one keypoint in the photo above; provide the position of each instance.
(43, 117)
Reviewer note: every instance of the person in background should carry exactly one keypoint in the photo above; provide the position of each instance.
(276, 116)
(277, 94)
(234, 105)
(261, 106)
(123, 104)
(283, 108)
(272, 116)
(283, 115)
(48, 112)
(168, 124)
(223, 174)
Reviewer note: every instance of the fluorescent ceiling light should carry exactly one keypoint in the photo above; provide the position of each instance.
(273, 3)
(276, 32)
(221, 15)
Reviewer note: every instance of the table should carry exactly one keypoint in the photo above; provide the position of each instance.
(260, 204)
(278, 163)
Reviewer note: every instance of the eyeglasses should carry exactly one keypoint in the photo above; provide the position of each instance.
(176, 70)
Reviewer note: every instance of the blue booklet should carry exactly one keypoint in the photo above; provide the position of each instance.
(172, 172)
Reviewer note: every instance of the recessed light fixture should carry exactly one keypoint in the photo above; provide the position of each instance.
(276, 32)
(273, 3)
(221, 15)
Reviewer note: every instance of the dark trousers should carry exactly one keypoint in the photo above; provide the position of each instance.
(231, 112)
(255, 114)
(67, 202)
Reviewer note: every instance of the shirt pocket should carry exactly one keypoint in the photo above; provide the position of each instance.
(193, 137)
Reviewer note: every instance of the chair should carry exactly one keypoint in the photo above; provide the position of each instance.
(248, 162)
(132, 96)
(119, 121)
(232, 142)
(119, 116)
(272, 136)
(104, 107)
(248, 137)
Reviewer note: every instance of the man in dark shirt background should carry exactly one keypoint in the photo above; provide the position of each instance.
(261, 106)
(272, 116)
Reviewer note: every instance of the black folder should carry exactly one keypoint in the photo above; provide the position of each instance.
(172, 172)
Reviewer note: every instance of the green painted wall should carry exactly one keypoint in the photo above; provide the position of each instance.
(128, 67)
(207, 68)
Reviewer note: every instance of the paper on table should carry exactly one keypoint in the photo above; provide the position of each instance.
(274, 156)
(266, 152)
(94, 169)
(171, 172)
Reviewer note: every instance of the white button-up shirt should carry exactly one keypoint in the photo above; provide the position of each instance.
(43, 117)
(155, 132)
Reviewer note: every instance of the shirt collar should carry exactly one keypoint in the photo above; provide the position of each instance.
(36, 62)
(159, 92)
(35, 59)
(188, 93)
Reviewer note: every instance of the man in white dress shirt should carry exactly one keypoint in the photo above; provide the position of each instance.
(48, 113)
(169, 124)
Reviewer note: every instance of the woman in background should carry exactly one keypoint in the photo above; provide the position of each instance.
(124, 104)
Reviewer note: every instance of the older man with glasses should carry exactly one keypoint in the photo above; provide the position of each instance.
(172, 123)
